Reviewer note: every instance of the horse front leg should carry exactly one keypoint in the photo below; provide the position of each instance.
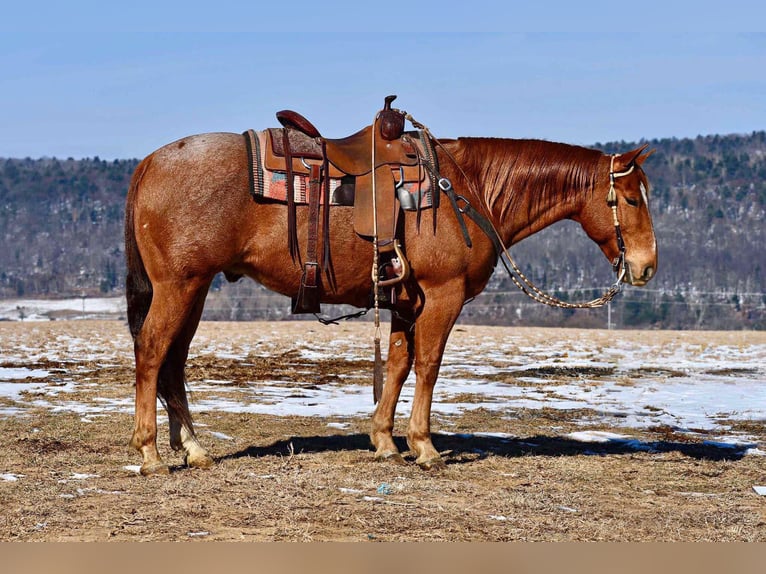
(399, 363)
(432, 330)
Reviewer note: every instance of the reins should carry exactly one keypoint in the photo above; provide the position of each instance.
(517, 276)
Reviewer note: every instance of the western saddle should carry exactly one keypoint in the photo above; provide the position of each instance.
(373, 165)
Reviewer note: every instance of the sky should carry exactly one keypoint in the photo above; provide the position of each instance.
(73, 83)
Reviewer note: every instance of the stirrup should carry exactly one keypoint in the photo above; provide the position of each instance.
(402, 268)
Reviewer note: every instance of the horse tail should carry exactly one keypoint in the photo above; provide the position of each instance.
(138, 287)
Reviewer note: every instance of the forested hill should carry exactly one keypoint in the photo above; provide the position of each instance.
(61, 229)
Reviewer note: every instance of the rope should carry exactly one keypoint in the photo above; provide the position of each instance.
(517, 276)
(377, 373)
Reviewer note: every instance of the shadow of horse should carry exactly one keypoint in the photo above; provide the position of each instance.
(463, 448)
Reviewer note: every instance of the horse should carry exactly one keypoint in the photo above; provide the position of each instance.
(189, 216)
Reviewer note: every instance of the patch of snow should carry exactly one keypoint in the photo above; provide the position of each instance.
(83, 476)
(16, 373)
(596, 436)
(623, 382)
(338, 425)
(10, 476)
(78, 308)
(13, 391)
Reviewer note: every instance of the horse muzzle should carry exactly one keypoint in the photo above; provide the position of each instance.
(638, 279)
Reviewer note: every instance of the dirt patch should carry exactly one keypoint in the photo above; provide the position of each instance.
(512, 474)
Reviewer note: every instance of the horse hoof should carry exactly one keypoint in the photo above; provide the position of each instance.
(204, 461)
(432, 464)
(393, 457)
(154, 469)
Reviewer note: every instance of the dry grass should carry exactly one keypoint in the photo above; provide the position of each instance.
(296, 478)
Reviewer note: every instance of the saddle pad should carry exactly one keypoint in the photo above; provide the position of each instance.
(272, 184)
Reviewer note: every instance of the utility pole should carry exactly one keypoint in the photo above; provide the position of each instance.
(609, 315)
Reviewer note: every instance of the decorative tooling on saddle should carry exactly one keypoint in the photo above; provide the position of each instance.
(268, 175)
(379, 170)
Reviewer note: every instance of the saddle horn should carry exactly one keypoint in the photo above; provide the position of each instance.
(391, 121)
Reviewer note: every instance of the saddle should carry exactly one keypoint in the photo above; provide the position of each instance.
(394, 151)
(381, 157)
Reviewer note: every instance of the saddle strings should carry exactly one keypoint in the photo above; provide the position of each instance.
(377, 373)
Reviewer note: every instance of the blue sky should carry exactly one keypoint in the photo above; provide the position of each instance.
(67, 90)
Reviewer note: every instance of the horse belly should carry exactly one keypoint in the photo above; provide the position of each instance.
(345, 279)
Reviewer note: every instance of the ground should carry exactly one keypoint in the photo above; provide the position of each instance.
(512, 474)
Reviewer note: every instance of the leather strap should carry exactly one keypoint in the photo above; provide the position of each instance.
(476, 216)
(292, 229)
(326, 219)
(307, 299)
(315, 192)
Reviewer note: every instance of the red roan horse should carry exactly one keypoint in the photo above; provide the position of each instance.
(189, 216)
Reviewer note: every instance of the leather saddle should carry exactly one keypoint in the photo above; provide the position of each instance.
(380, 155)
(350, 159)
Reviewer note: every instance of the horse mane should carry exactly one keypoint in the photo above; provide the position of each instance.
(511, 172)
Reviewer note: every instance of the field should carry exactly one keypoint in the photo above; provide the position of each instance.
(548, 435)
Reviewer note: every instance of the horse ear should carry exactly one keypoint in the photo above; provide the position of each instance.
(642, 158)
(625, 160)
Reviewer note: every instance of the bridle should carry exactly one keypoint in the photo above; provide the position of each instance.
(521, 281)
(517, 276)
(618, 264)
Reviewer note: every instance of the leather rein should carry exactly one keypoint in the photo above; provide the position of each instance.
(517, 276)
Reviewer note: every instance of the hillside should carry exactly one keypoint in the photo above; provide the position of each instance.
(61, 229)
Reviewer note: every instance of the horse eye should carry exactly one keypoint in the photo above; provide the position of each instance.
(631, 201)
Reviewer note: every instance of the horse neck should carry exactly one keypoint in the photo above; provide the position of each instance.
(527, 185)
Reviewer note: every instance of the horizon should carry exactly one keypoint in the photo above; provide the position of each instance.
(594, 145)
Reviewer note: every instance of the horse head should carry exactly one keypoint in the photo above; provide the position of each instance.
(618, 214)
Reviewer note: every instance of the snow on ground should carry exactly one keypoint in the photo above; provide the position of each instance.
(47, 309)
(625, 381)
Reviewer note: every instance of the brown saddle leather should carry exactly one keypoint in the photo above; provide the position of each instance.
(294, 120)
(380, 156)
(396, 162)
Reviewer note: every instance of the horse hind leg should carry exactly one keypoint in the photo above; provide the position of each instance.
(172, 305)
(172, 389)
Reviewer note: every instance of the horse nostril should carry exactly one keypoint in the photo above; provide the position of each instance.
(648, 273)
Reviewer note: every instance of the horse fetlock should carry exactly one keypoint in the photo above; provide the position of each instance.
(382, 438)
(428, 457)
(196, 455)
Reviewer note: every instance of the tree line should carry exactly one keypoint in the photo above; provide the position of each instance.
(61, 227)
